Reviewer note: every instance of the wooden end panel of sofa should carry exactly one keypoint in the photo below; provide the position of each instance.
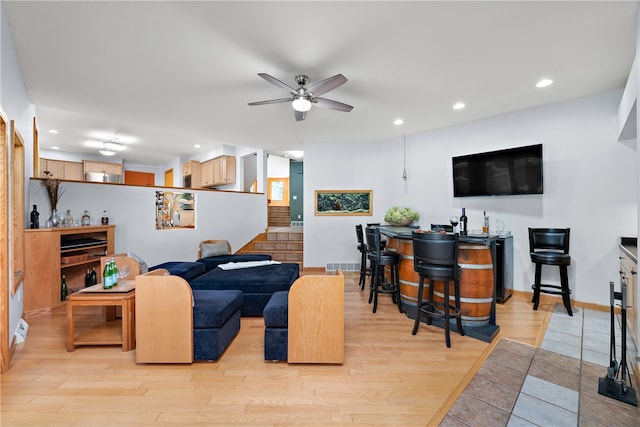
(316, 320)
(164, 319)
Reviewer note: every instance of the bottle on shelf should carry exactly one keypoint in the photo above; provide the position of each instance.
(63, 289)
(35, 218)
(86, 219)
(463, 223)
(105, 218)
(87, 278)
(94, 277)
(485, 224)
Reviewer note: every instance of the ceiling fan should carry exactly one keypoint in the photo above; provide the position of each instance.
(303, 98)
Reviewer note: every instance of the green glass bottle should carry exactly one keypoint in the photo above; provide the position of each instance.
(63, 289)
(114, 273)
(106, 275)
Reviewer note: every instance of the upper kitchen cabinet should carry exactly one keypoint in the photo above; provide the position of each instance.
(62, 169)
(191, 174)
(218, 171)
(102, 171)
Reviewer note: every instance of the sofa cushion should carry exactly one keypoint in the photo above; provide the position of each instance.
(186, 270)
(212, 308)
(276, 312)
(265, 279)
(214, 261)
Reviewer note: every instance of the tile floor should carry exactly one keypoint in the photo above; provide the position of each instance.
(555, 385)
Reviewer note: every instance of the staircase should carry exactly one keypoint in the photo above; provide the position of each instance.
(285, 245)
(279, 216)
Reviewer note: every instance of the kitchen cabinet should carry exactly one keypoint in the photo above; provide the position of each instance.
(206, 170)
(102, 167)
(54, 252)
(62, 169)
(218, 171)
(628, 275)
(191, 174)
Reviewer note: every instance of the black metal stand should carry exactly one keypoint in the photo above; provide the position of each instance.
(614, 385)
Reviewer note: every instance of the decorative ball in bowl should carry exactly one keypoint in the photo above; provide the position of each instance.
(400, 216)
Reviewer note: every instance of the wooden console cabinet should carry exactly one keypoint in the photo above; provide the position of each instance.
(53, 252)
(628, 275)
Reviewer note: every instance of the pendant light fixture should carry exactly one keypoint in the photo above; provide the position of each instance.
(404, 157)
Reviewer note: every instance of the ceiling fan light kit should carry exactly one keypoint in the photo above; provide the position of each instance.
(301, 104)
(303, 98)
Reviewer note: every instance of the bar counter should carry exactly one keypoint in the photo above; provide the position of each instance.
(477, 258)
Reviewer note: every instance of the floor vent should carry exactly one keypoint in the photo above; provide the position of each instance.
(344, 266)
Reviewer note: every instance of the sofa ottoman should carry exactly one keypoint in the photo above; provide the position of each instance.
(216, 322)
(256, 283)
(276, 322)
(187, 270)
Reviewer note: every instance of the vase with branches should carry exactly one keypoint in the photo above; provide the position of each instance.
(54, 192)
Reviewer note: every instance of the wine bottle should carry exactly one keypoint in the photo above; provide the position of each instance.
(35, 218)
(463, 223)
(63, 289)
(94, 277)
(87, 278)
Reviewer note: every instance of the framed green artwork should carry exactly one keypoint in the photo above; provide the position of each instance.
(344, 202)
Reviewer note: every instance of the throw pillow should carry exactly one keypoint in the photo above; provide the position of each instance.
(214, 249)
(144, 268)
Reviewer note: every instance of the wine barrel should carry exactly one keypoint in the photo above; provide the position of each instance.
(409, 279)
(476, 284)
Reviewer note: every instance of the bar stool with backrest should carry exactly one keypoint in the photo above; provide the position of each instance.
(435, 257)
(550, 246)
(380, 258)
(362, 247)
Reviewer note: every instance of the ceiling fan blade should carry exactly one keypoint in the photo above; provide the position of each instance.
(278, 83)
(300, 115)
(326, 85)
(331, 104)
(270, 101)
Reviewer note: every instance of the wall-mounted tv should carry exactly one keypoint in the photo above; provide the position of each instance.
(513, 171)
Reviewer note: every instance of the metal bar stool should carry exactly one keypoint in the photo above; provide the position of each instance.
(362, 247)
(435, 257)
(379, 259)
(550, 246)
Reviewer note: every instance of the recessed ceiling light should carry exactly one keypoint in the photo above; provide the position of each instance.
(53, 131)
(55, 147)
(459, 105)
(398, 122)
(544, 83)
(197, 146)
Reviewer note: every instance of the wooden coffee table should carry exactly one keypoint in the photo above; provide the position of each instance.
(105, 334)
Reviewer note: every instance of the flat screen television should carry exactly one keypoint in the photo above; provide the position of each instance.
(513, 171)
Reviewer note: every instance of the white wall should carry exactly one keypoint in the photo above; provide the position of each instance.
(277, 167)
(590, 185)
(237, 217)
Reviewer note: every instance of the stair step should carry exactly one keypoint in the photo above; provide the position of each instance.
(278, 246)
(276, 235)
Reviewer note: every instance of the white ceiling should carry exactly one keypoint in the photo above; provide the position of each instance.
(174, 74)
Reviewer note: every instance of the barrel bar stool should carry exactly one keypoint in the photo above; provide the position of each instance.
(550, 246)
(380, 258)
(435, 257)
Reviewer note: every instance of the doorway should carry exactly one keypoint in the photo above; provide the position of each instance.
(168, 178)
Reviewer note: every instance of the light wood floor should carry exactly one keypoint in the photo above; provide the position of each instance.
(389, 378)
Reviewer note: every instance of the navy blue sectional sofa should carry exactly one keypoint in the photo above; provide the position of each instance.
(256, 283)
